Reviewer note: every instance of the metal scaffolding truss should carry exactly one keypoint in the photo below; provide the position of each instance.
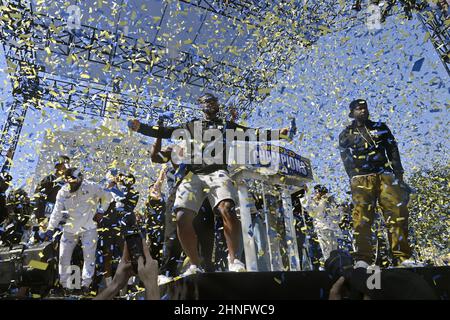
(127, 53)
(11, 133)
(282, 28)
(101, 101)
(242, 10)
(24, 80)
(101, 47)
(438, 27)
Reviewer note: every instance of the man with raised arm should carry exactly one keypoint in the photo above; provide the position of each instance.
(207, 178)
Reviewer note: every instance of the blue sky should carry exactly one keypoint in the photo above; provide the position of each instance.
(353, 63)
(377, 66)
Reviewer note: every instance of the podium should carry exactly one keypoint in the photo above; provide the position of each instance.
(277, 168)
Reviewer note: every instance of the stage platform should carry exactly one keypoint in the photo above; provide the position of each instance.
(302, 285)
(310, 285)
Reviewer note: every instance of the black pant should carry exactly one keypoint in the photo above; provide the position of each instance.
(172, 248)
(204, 227)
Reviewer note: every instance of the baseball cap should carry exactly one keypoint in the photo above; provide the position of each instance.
(356, 103)
(62, 159)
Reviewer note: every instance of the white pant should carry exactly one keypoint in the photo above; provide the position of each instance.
(328, 241)
(67, 244)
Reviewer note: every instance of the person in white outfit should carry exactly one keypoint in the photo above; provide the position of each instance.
(326, 217)
(82, 201)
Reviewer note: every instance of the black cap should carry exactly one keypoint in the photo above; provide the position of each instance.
(356, 103)
(321, 188)
(206, 98)
(62, 160)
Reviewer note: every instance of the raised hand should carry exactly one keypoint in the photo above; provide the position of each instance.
(134, 124)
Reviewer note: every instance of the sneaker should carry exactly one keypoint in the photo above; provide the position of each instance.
(193, 269)
(236, 266)
(361, 264)
(410, 263)
(59, 292)
(86, 291)
(162, 279)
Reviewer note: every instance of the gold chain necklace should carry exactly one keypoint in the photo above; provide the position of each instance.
(370, 136)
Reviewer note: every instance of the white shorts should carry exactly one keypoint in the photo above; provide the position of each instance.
(194, 188)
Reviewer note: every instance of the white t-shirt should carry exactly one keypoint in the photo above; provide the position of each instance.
(80, 206)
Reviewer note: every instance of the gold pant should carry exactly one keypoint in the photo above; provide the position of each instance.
(367, 190)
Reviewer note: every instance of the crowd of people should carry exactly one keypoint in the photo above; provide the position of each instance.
(179, 229)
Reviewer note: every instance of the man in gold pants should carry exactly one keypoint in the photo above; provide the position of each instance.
(372, 161)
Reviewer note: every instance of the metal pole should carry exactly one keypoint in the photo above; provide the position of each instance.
(267, 220)
(246, 226)
(276, 263)
(306, 254)
(294, 261)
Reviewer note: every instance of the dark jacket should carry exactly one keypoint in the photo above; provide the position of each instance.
(124, 206)
(19, 212)
(369, 149)
(45, 192)
(222, 125)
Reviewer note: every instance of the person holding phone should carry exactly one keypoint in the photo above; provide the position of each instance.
(147, 270)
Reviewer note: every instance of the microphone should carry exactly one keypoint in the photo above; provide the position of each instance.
(293, 129)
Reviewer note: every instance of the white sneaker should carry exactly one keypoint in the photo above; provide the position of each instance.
(410, 263)
(162, 279)
(193, 269)
(236, 266)
(361, 264)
